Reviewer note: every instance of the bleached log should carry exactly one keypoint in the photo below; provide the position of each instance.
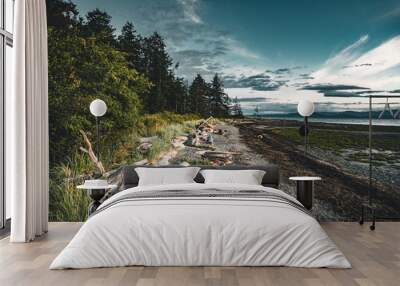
(148, 139)
(89, 150)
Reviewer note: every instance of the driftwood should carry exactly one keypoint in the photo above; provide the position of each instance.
(148, 139)
(141, 162)
(92, 155)
(204, 122)
(215, 155)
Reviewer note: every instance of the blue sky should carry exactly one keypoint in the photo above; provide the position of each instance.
(276, 52)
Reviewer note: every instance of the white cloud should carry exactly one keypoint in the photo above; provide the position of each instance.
(341, 59)
(377, 68)
(238, 49)
(189, 9)
(393, 13)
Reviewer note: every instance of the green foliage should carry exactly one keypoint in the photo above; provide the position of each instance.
(81, 70)
(219, 100)
(67, 203)
(198, 97)
(98, 26)
(208, 99)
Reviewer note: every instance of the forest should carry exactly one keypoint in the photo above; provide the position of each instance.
(132, 73)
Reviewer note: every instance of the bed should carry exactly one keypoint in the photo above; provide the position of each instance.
(197, 224)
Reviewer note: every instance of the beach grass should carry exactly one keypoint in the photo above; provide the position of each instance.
(69, 204)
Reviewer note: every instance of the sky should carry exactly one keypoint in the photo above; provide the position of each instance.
(272, 54)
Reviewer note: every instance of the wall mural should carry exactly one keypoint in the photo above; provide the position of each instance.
(207, 82)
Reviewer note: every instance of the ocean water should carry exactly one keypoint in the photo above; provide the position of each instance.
(360, 121)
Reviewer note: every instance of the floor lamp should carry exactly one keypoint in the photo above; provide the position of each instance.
(305, 109)
(98, 108)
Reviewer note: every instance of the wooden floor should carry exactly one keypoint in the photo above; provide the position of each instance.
(375, 257)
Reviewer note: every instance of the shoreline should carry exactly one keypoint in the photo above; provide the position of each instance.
(341, 192)
(335, 125)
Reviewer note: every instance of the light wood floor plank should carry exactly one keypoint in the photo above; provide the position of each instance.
(375, 257)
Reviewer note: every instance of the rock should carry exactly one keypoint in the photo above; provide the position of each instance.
(219, 131)
(210, 139)
(144, 147)
(185, 164)
(165, 158)
(193, 140)
(179, 141)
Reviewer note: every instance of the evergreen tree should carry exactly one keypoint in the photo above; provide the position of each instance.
(177, 98)
(130, 42)
(156, 63)
(61, 15)
(198, 97)
(219, 100)
(98, 26)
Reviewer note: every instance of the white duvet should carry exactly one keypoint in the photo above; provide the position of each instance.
(200, 231)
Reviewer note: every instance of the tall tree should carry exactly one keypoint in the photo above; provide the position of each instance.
(156, 63)
(198, 97)
(130, 42)
(62, 15)
(219, 100)
(98, 26)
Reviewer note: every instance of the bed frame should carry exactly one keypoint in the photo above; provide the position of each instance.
(129, 178)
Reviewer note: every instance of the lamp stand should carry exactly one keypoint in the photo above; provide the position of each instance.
(369, 205)
(305, 135)
(97, 138)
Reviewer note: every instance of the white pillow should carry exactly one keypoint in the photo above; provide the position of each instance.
(247, 177)
(166, 176)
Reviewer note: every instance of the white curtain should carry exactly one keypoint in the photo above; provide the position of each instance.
(27, 123)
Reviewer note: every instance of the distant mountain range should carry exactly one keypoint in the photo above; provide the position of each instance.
(335, 115)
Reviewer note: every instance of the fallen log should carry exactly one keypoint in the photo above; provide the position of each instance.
(220, 156)
(147, 139)
(89, 150)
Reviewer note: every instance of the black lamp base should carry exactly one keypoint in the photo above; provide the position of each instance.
(96, 195)
(371, 208)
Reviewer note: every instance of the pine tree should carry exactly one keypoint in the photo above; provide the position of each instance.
(156, 63)
(98, 26)
(61, 15)
(130, 42)
(219, 100)
(198, 97)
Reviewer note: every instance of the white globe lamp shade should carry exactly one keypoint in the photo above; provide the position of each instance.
(305, 108)
(98, 107)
